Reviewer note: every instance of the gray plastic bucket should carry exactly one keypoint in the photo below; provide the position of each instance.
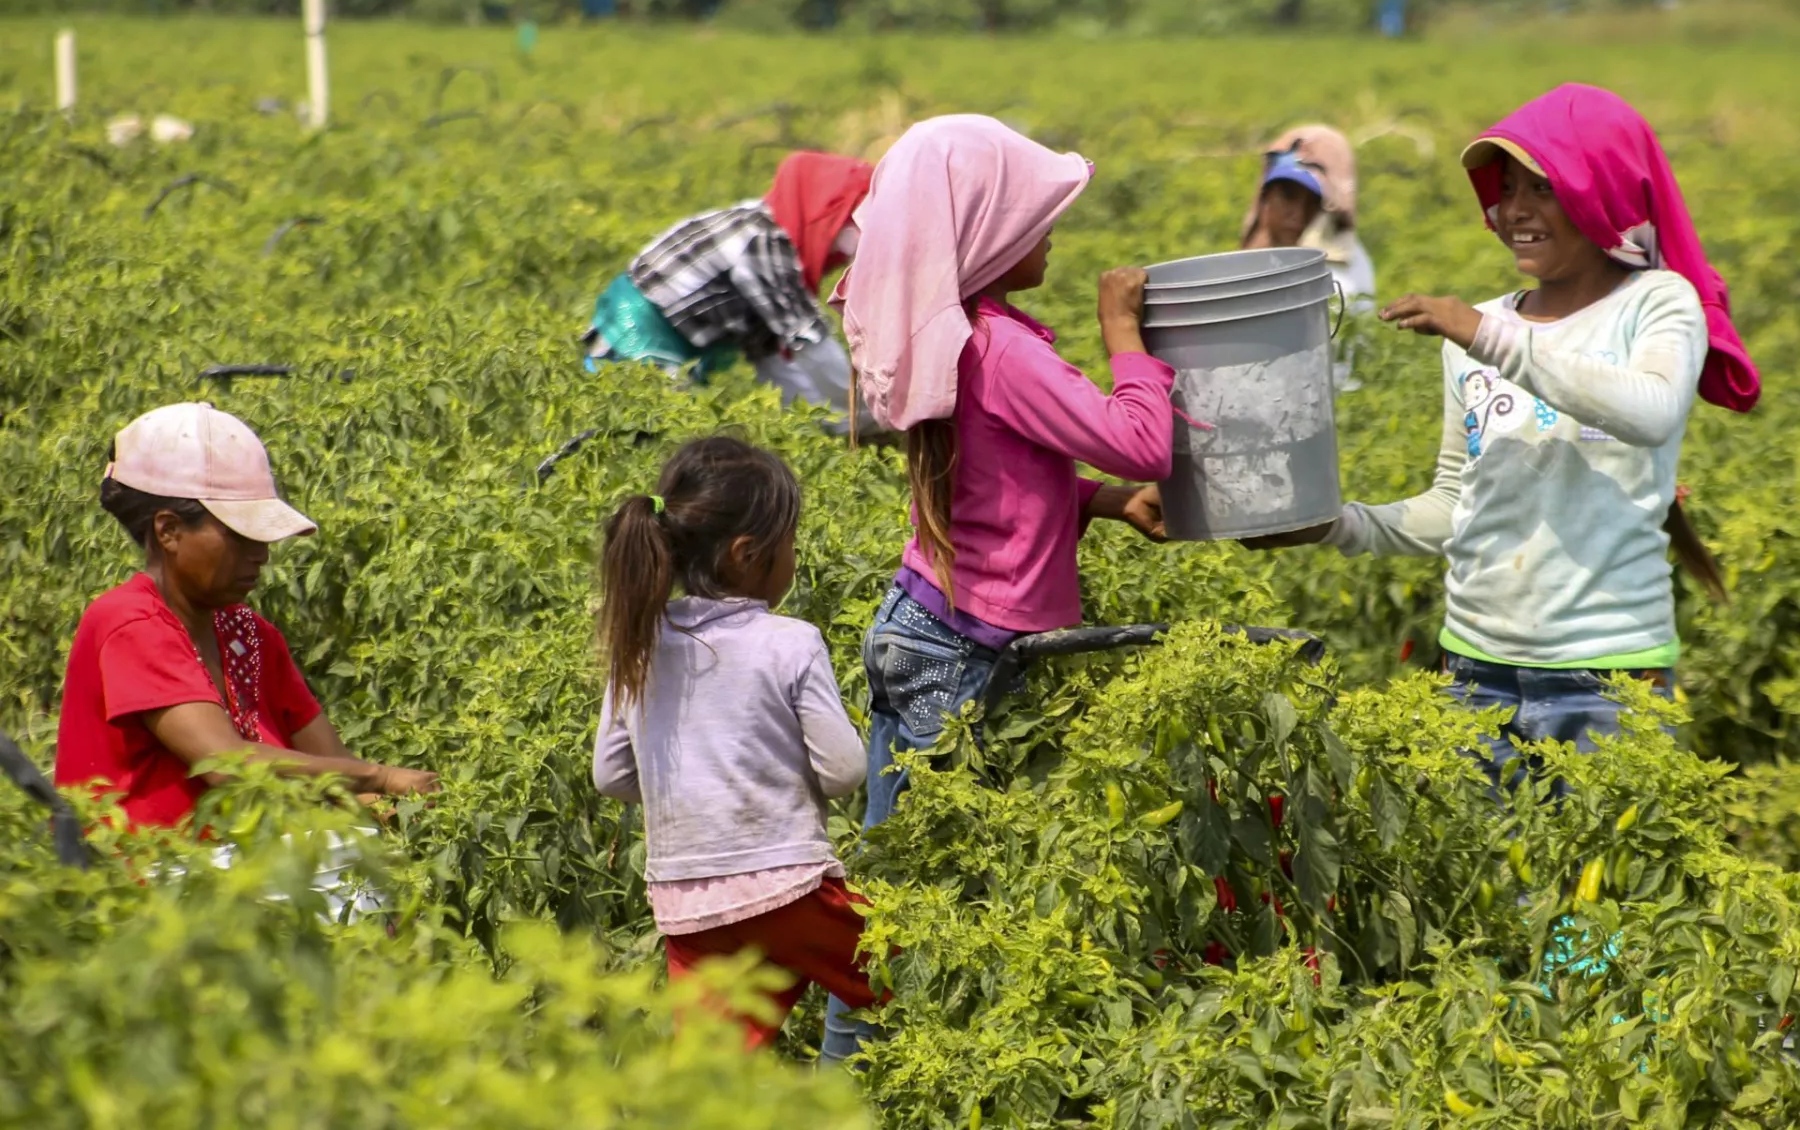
(1233, 272)
(1235, 306)
(1235, 288)
(1257, 367)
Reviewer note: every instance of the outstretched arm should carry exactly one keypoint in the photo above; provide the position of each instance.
(198, 731)
(1643, 400)
(1131, 433)
(1417, 526)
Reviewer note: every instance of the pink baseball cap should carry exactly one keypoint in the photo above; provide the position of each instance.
(196, 451)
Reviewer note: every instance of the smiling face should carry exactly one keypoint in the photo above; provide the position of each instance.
(213, 566)
(1531, 222)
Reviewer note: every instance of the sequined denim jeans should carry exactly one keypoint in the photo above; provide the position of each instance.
(919, 669)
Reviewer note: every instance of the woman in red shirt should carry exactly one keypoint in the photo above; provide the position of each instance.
(172, 668)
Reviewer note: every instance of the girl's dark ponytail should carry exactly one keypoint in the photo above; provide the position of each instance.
(1692, 553)
(712, 492)
(637, 576)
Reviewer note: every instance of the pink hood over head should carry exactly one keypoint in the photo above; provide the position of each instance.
(955, 204)
(1614, 182)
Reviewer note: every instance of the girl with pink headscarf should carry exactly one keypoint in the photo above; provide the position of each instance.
(957, 221)
(1564, 408)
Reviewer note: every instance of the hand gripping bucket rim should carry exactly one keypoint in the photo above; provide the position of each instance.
(1262, 262)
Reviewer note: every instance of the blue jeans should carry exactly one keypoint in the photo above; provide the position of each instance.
(1567, 706)
(919, 669)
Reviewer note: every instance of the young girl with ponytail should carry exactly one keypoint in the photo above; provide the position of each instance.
(724, 721)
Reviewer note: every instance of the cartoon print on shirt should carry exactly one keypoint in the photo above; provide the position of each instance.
(1494, 407)
(1491, 405)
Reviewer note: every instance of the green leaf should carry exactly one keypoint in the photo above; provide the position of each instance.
(1317, 864)
(1205, 834)
(1781, 984)
(1343, 763)
(1282, 718)
(1759, 1092)
(1251, 831)
(1390, 809)
(1630, 1095)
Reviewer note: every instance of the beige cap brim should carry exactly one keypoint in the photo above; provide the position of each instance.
(264, 519)
(1487, 150)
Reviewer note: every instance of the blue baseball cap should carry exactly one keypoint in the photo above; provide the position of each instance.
(1288, 166)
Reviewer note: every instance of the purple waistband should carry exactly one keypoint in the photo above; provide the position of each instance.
(926, 593)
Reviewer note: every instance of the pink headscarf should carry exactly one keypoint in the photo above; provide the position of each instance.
(955, 204)
(1615, 184)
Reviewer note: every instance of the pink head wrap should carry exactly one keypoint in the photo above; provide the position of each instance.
(1613, 181)
(955, 204)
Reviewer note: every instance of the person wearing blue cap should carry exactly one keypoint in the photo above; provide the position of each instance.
(1306, 197)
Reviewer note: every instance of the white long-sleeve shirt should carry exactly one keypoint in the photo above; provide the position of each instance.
(1554, 477)
(739, 739)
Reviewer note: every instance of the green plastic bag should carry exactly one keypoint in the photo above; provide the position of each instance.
(633, 329)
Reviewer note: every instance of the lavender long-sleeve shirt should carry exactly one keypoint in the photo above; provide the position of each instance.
(740, 738)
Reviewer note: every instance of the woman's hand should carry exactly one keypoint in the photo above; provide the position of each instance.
(1450, 318)
(1122, 309)
(1143, 511)
(391, 780)
(1311, 535)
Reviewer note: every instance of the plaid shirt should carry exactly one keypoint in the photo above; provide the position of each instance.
(731, 275)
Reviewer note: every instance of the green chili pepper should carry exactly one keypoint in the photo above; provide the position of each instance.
(1588, 889)
(1162, 815)
(1115, 804)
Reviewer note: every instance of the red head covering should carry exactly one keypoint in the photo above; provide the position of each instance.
(1613, 181)
(812, 198)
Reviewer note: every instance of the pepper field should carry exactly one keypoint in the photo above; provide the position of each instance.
(423, 265)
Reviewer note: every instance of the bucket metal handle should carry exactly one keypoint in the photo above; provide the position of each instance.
(1343, 304)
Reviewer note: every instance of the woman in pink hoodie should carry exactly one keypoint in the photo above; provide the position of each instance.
(958, 220)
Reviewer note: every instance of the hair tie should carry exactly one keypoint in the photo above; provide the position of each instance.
(657, 504)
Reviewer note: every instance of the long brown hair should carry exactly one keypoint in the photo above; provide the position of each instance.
(1692, 553)
(711, 492)
(931, 472)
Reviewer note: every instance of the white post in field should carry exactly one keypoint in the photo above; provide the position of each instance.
(318, 82)
(65, 71)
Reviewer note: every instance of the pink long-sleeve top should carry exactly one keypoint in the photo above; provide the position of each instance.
(1024, 417)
